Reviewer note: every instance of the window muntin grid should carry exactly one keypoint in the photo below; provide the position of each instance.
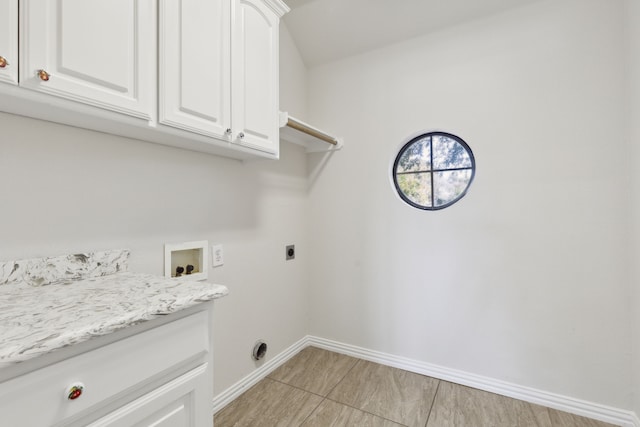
(433, 170)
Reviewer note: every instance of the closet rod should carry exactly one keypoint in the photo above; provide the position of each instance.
(303, 127)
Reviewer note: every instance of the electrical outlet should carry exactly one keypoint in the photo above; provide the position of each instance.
(217, 255)
(290, 252)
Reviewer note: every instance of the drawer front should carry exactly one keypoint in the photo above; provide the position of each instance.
(107, 373)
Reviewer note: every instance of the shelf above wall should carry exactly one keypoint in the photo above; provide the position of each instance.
(311, 138)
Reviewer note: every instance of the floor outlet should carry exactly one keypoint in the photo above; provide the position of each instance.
(217, 255)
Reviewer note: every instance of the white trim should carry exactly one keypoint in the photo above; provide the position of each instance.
(563, 403)
(224, 398)
(277, 6)
(583, 408)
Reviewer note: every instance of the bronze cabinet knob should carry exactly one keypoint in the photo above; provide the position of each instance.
(44, 76)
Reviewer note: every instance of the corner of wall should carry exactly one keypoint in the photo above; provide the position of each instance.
(632, 33)
(293, 76)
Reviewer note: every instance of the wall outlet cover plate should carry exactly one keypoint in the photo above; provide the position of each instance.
(217, 255)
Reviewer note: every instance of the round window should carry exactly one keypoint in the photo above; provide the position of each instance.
(433, 170)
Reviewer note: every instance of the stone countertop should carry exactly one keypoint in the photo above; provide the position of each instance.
(36, 320)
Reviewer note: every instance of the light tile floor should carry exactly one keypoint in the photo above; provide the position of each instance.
(320, 388)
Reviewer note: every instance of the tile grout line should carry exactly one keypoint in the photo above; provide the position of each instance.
(297, 388)
(435, 395)
(371, 413)
(334, 401)
(328, 393)
(358, 360)
(344, 376)
(314, 410)
(366, 412)
(323, 398)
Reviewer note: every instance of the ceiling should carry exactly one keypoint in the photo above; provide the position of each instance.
(327, 30)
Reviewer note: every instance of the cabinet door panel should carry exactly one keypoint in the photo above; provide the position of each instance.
(182, 402)
(194, 65)
(97, 52)
(258, 45)
(85, 53)
(255, 75)
(9, 41)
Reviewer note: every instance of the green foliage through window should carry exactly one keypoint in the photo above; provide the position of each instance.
(434, 170)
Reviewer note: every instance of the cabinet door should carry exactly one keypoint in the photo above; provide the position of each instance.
(183, 402)
(254, 95)
(9, 41)
(195, 66)
(97, 52)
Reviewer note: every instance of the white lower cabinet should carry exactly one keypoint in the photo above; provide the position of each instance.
(9, 41)
(159, 377)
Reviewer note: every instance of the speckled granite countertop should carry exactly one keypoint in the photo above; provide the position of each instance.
(78, 298)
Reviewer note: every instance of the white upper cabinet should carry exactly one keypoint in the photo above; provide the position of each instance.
(9, 41)
(195, 69)
(254, 84)
(195, 74)
(219, 69)
(101, 53)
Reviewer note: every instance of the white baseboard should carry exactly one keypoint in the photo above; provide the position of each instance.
(563, 403)
(224, 398)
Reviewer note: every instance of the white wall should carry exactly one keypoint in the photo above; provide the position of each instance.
(69, 190)
(293, 77)
(526, 279)
(633, 36)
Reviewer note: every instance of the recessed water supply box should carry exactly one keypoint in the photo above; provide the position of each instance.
(186, 261)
